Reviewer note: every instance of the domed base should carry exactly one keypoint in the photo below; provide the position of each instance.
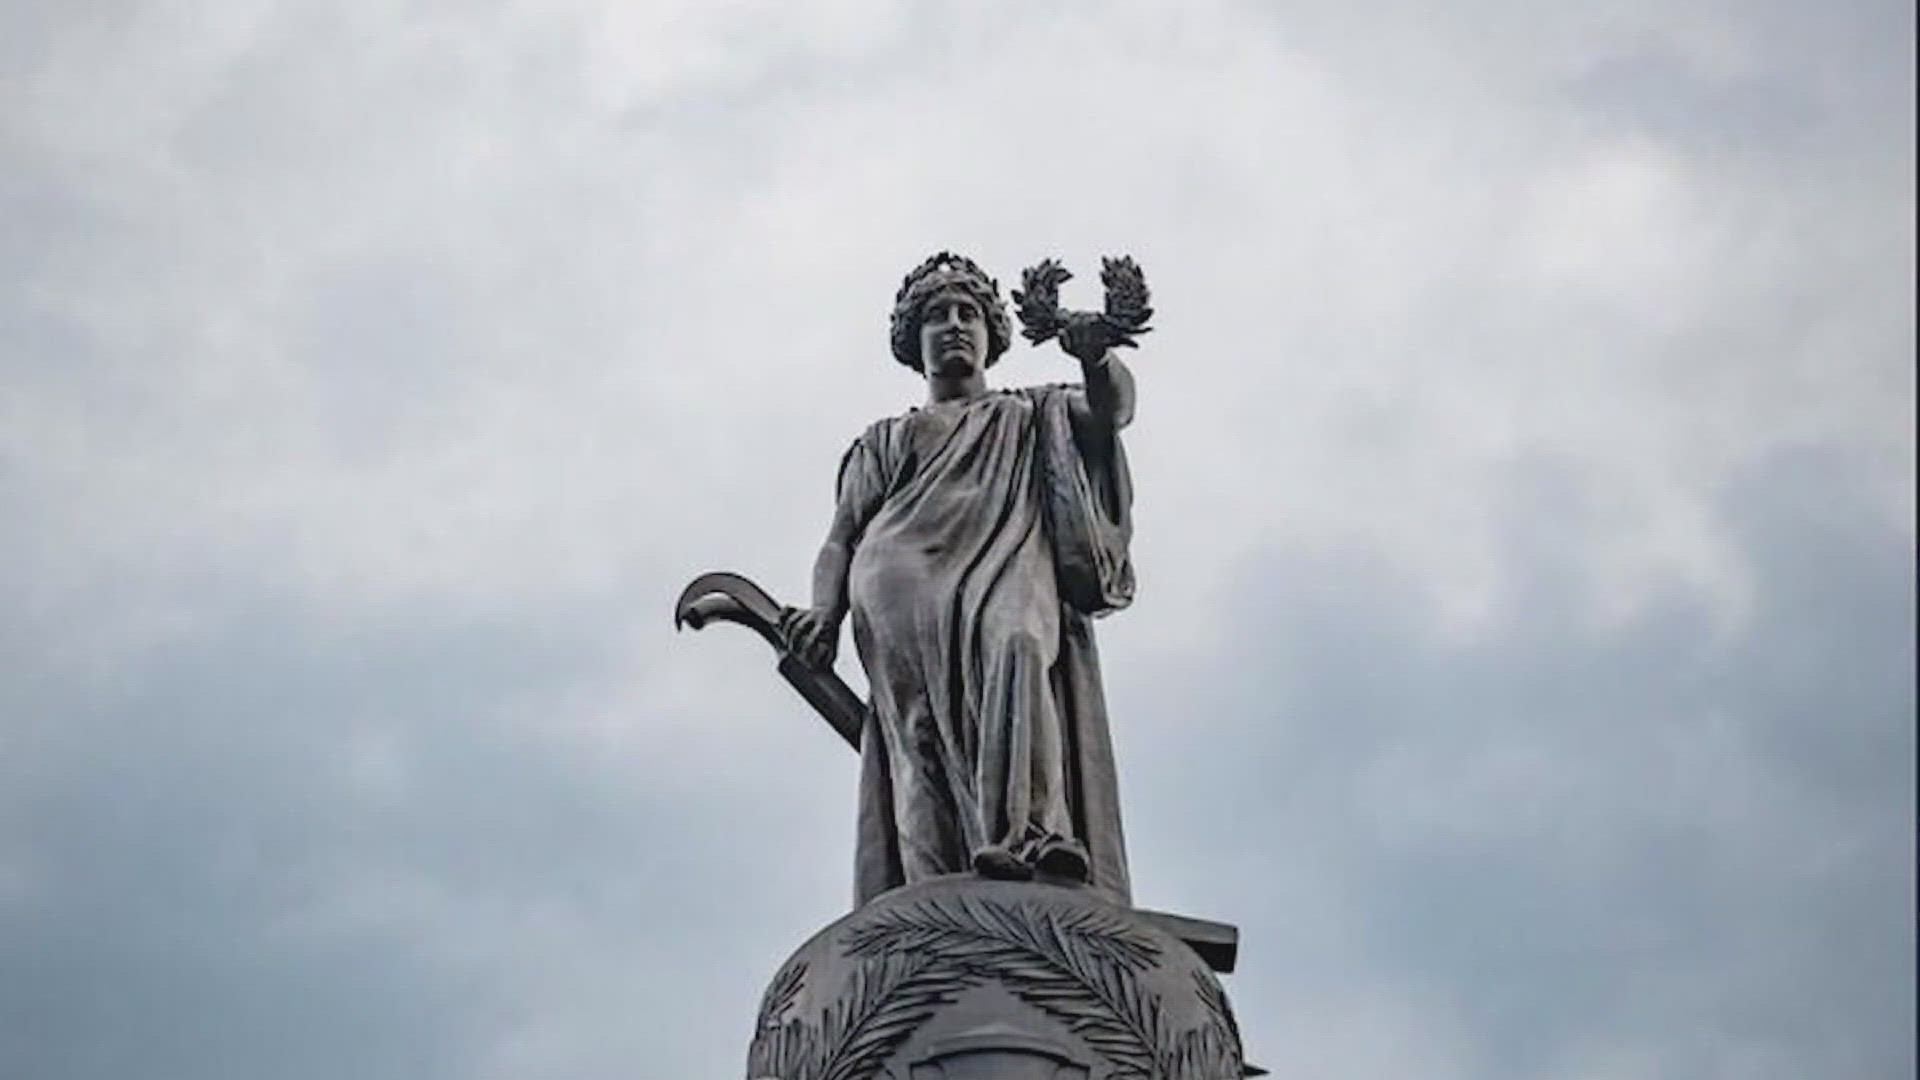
(965, 978)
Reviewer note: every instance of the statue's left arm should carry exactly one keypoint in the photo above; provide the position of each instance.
(1091, 491)
(1104, 409)
(1107, 405)
(1110, 393)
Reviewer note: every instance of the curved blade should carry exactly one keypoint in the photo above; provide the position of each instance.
(718, 607)
(731, 598)
(753, 600)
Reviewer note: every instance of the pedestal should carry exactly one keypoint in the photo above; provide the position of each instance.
(965, 978)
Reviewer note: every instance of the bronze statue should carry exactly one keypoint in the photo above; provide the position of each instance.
(974, 539)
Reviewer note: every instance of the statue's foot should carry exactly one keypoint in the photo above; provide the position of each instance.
(997, 862)
(1062, 858)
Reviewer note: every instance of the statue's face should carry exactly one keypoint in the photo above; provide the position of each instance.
(953, 335)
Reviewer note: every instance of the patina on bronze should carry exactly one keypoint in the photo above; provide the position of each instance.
(975, 538)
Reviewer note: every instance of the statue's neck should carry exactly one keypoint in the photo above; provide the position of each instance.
(955, 388)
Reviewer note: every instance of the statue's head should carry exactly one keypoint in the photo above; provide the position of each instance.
(950, 299)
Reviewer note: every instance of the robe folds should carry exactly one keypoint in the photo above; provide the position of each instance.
(989, 540)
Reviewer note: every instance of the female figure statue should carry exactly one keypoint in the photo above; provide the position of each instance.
(973, 540)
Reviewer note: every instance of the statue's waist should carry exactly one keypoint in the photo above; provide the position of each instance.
(930, 570)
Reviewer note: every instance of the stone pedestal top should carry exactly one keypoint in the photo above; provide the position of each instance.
(965, 977)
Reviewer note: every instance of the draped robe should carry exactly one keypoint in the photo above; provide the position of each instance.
(989, 539)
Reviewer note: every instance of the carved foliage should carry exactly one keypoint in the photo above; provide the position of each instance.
(1213, 1048)
(1038, 300)
(1079, 967)
(887, 1000)
(1084, 968)
(1127, 295)
(1127, 308)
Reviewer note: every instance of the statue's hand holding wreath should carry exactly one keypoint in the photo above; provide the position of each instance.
(1087, 336)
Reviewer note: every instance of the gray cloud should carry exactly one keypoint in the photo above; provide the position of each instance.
(1647, 841)
(1526, 515)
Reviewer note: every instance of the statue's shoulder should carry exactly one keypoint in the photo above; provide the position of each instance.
(889, 430)
(882, 437)
(1039, 395)
(884, 428)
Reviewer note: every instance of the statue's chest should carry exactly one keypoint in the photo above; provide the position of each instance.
(983, 436)
(931, 430)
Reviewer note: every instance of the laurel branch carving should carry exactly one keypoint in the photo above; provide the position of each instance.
(1081, 967)
(888, 999)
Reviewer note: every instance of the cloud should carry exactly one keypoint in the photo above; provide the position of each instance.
(1525, 521)
(1642, 841)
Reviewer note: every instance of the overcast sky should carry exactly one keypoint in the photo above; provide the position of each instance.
(1525, 468)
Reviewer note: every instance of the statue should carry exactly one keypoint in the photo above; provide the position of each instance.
(974, 539)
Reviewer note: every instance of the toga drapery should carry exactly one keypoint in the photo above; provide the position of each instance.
(989, 539)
